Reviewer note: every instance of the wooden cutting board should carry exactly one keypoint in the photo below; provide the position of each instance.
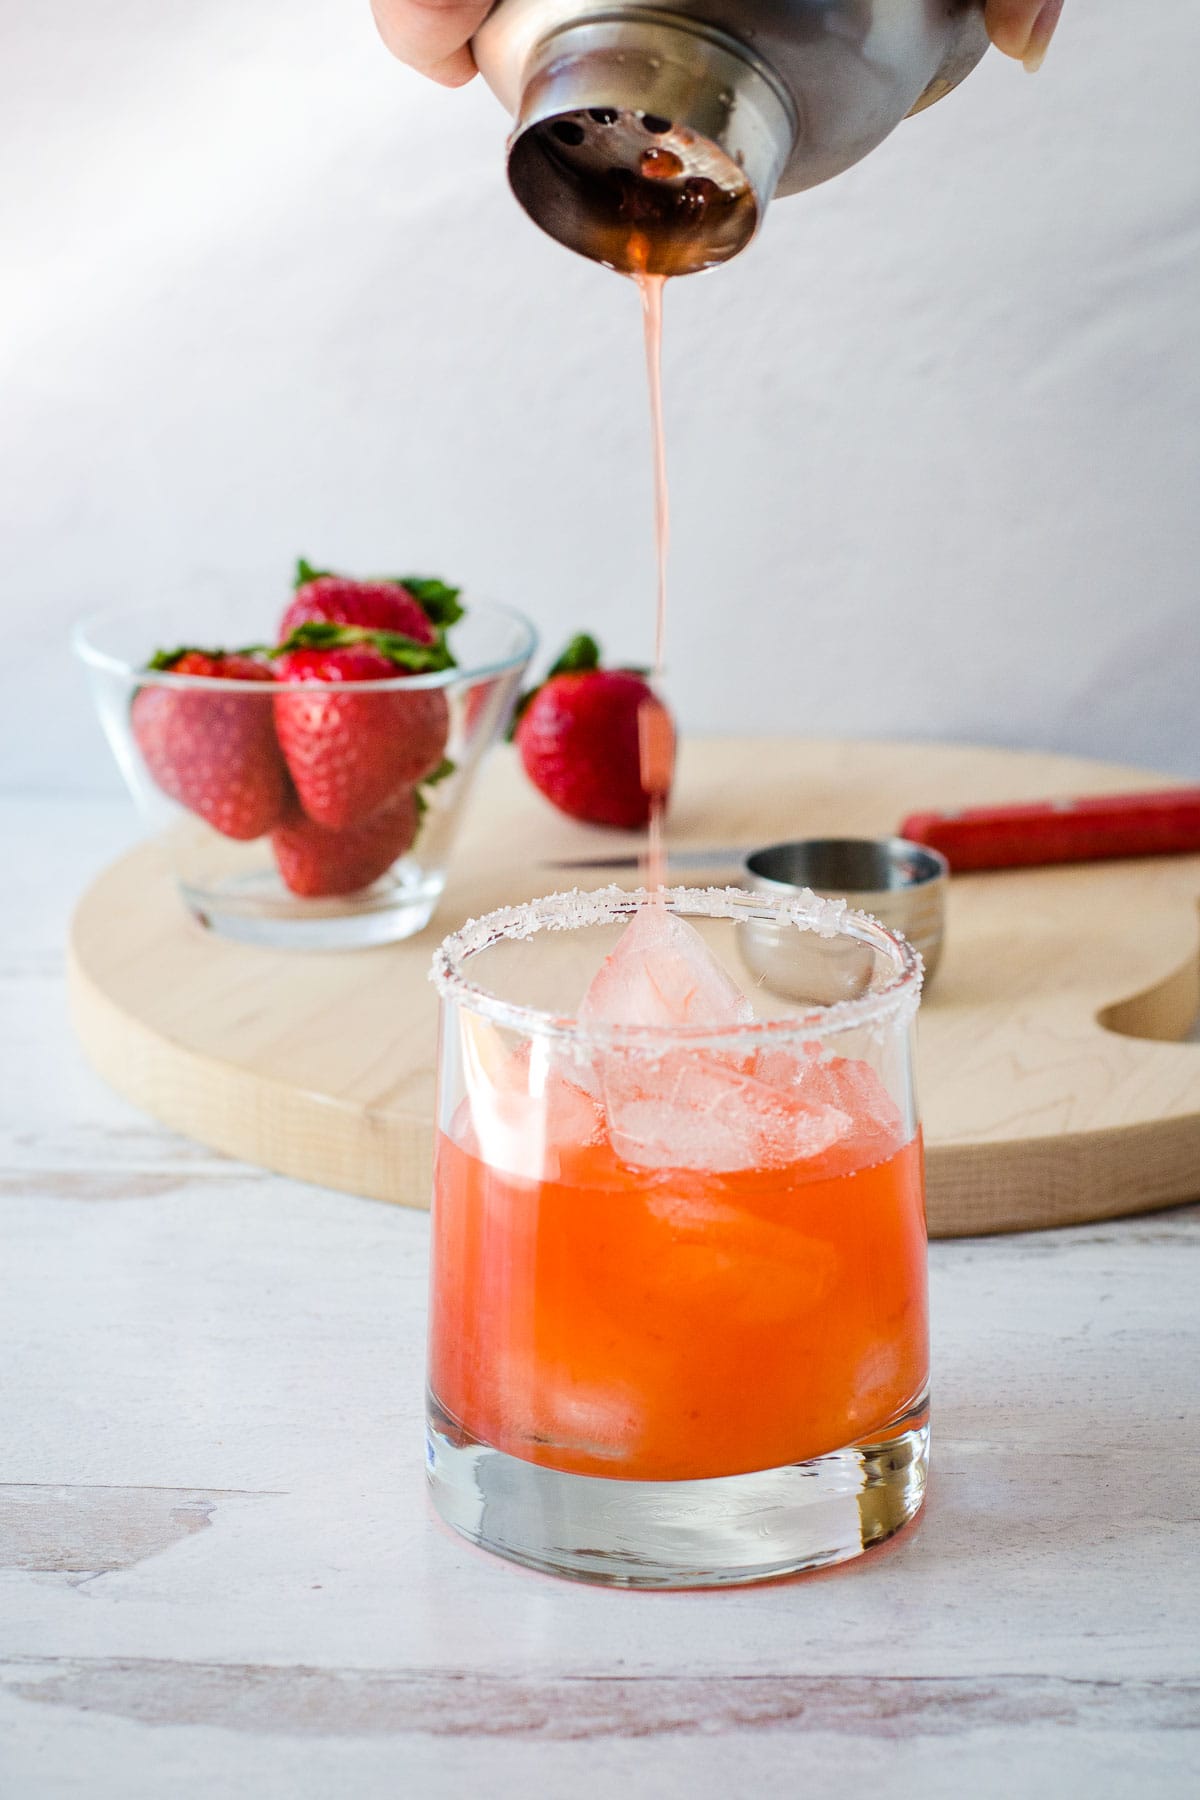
(1053, 1085)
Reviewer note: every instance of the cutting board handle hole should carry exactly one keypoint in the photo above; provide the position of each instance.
(1168, 1013)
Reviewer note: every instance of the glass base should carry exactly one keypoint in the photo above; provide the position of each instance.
(258, 910)
(682, 1534)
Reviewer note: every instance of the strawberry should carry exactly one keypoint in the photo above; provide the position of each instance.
(214, 752)
(316, 863)
(419, 608)
(349, 754)
(585, 735)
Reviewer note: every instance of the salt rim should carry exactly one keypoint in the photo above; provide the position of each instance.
(567, 911)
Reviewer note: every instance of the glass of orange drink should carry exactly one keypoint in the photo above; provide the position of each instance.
(678, 1309)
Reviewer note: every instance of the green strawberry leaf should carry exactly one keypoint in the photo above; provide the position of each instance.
(580, 657)
(306, 573)
(436, 598)
(405, 652)
(522, 707)
(444, 769)
(165, 660)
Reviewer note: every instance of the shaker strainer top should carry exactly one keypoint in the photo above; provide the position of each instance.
(653, 135)
(648, 145)
(652, 194)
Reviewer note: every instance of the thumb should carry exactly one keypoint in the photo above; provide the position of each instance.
(1023, 28)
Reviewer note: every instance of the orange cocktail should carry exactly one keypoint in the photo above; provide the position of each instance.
(678, 1321)
(659, 1325)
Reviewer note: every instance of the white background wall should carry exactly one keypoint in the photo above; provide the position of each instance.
(933, 440)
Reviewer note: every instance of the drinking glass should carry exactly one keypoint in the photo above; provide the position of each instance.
(678, 1313)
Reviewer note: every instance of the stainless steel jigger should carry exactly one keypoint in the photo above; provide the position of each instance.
(653, 137)
(901, 884)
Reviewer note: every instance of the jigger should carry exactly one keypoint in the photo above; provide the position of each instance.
(901, 884)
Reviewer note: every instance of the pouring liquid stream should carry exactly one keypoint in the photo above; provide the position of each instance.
(656, 740)
(651, 287)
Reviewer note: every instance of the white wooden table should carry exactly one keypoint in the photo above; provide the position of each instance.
(219, 1575)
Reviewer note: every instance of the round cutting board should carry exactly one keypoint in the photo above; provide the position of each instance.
(1053, 1085)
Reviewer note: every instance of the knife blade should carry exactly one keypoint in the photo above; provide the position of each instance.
(721, 857)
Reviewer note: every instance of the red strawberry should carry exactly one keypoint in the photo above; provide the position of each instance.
(316, 863)
(349, 754)
(215, 752)
(587, 733)
(416, 607)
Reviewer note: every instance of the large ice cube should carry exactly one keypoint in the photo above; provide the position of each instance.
(663, 973)
(692, 1108)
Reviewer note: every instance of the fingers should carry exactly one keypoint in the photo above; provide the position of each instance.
(432, 35)
(1023, 28)
(1043, 31)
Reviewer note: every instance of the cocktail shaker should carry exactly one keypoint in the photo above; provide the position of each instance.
(653, 137)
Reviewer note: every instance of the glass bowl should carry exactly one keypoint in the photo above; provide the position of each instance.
(202, 761)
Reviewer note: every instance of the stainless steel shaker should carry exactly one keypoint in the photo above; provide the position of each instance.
(654, 136)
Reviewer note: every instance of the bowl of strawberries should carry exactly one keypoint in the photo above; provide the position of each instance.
(305, 765)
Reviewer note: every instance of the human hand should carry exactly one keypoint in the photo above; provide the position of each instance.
(1023, 28)
(433, 35)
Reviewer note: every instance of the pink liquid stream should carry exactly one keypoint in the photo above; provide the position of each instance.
(656, 748)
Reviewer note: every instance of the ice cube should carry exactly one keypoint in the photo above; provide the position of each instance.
(663, 973)
(730, 1263)
(695, 1109)
(525, 1116)
(686, 1108)
(545, 1401)
(875, 1127)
